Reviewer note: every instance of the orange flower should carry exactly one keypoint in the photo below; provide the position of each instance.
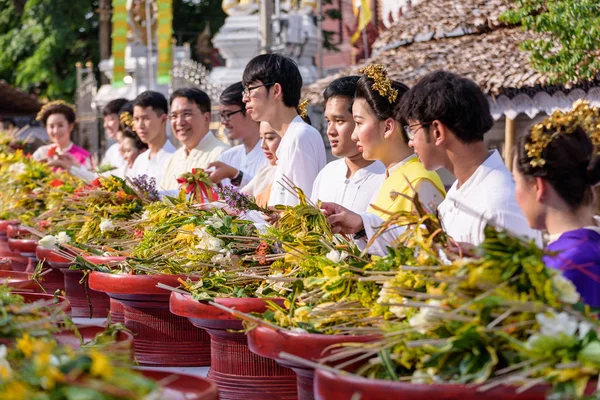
(51, 151)
(56, 183)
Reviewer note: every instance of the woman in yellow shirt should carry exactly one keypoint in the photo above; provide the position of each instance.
(381, 137)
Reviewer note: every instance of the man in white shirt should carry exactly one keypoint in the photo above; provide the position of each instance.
(272, 87)
(447, 116)
(351, 180)
(238, 165)
(190, 122)
(110, 113)
(150, 114)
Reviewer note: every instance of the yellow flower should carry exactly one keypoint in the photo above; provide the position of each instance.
(25, 344)
(14, 391)
(5, 371)
(101, 366)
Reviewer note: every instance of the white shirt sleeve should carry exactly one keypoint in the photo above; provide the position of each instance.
(83, 173)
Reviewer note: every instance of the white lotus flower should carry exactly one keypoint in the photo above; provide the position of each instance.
(106, 225)
(426, 316)
(17, 168)
(48, 242)
(336, 256)
(566, 289)
(552, 324)
(63, 237)
(207, 241)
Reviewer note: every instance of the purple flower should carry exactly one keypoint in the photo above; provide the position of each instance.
(238, 201)
(146, 186)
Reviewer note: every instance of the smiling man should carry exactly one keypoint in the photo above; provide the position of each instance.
(351, 180)
(150, 114)
(190, 121)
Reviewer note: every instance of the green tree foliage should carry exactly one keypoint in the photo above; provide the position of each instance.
(568, 42)
(41, 45)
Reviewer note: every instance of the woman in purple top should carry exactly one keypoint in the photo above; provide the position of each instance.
(555, 169)
(58, 118)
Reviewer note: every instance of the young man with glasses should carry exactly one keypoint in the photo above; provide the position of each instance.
(190, 121)
(272, 86)
(447, 117)
(238, 165)
(150, 115)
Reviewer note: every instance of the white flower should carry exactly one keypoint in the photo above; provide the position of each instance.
(5, 369)
(37, 191)
(63, 238)
(215, 222)
(566, 289)
(584, 328)
(336, 256)
(426, 316)
(552, 324)
(222, 258)
(207, 241)
(48, 242)
(106, 225)
(17, 168)
(388, 295)
(146, 215)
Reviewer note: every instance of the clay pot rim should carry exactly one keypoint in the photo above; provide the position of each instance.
(184, 305)
(131, 284)
(319, 337)
(104, 259)
(209, 393)
(92, 331)
(4, 223)
(51, 256)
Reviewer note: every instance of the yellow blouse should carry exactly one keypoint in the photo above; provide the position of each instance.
(397, 182)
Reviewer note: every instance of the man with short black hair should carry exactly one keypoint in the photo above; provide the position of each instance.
(447, 117)
(351, 180)
(238, 165)
(190, 123)
(272, 86)
(111, 124)
(150, 114)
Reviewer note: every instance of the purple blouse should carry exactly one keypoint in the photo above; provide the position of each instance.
(578, 257)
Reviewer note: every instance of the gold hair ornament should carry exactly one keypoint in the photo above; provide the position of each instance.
(48, 105)
(382, 83)
(582, 115)
(302, 108)
(127, 120)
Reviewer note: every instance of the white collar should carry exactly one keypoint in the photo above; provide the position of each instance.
(556, 236)
(65, 150)
(492, 163)
(389, 171)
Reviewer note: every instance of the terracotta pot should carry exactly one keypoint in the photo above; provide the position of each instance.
(185, 387)
(269, 343)
(85, 302)
(17, 279)
(4, 223)
(52, 258)
(237, 371)
(123, 340)
(16, 231)
(116, 308)
(3, 236)
(5, 264)
(161, 338)
(26, 247)
(330, 386)
(117, 313)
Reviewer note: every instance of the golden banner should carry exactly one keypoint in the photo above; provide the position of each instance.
(164, 45)
(119, 41)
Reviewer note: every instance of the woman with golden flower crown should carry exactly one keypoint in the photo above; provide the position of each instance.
(58, 118)
(380, 136)
(555, 169)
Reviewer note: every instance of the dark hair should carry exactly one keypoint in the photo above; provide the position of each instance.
(59, 108)
(455, 101)
(113, 106)
(571, 166)
(380, 105)
(156, 100)
(233, 96)
(127, 107)
(342, 87)
(128, 133)
(194, 95)
(275, 68)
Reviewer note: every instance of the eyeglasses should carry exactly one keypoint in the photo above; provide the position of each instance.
(226, 116)
(410, 133)
(187, 115)
(247, 89)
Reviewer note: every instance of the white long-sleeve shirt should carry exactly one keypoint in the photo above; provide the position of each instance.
(300, 157)
(249, 163)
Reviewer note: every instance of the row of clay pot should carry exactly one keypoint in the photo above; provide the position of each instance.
(172, 329)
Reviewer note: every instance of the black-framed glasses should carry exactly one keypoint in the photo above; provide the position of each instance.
(410, 133)
(226, 116)
(246, 91)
